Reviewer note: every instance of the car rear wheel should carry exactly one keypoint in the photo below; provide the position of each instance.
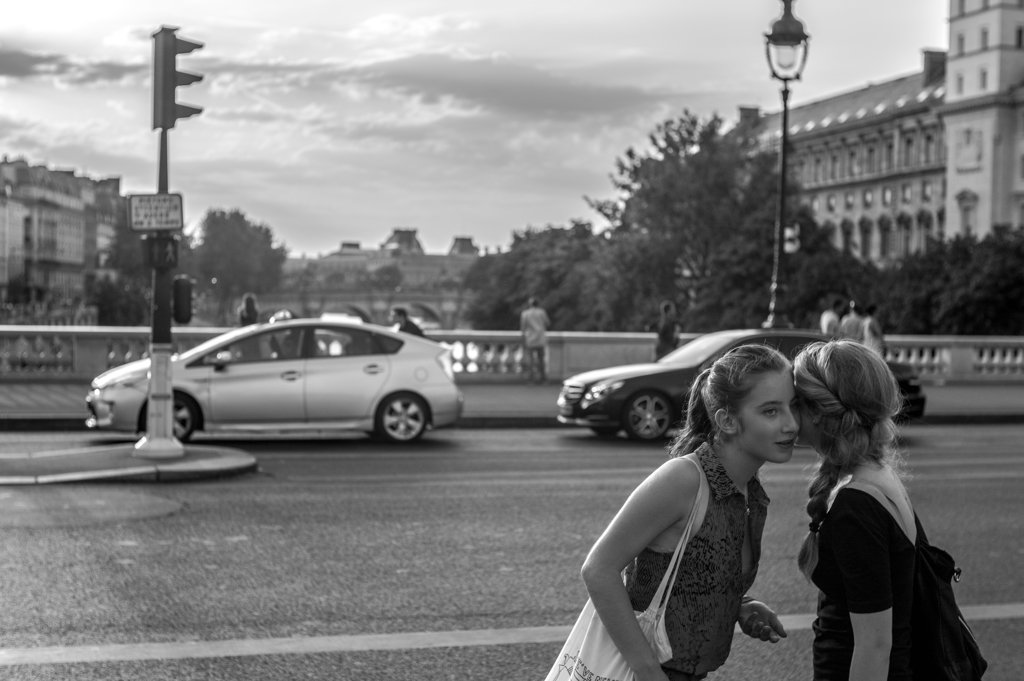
(401, 418)
(185, 413)
(648, 415)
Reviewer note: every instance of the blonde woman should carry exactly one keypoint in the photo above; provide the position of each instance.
(856, 553)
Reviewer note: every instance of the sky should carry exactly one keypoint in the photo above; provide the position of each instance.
(331, 121)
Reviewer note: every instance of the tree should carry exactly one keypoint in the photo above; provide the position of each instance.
(125, 300)
(239, 254)
(964, 286)
(558, 265)
(685, 196)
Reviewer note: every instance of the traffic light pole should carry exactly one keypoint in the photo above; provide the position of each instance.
(159, 441)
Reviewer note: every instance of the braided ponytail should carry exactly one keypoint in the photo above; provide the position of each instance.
(825, 478)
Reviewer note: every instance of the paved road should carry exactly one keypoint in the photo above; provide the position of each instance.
(335, 540)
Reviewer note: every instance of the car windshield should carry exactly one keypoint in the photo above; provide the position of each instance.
(213, 342)
(697, 351)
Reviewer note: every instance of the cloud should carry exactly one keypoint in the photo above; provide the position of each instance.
(395, 27)
(20, 64)
(503, 86)
(487, 85)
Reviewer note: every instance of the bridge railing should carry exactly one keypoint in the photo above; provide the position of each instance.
(79, 353)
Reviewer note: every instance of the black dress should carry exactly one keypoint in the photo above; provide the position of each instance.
(865, 565)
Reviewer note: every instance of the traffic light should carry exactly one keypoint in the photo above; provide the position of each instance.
(160, 251)
(791, 239)
(182, 302)
(166, 77)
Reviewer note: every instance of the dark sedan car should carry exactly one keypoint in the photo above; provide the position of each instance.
(645, 400)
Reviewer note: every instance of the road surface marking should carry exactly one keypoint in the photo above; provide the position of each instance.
(362, 642)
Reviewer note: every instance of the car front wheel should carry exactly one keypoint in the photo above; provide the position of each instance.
(648, 416)
(185, 414)
(401, 418)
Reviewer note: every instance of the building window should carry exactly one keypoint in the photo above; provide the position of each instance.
(960, 6)
(815, 204)
(852, 164)
(929, 148)
(908, 151)
(865, 239)
(817, 169)
(871, 159)
(848, 200)
(967, 219)
(960, 44)
(959, 83)
(984, 38)
(833, 171)
(831, 203)
(1020, 37)
(926, 190)
(889, 153)
(984, 4)
(869, 198)
(887, 196)
(907, 192)
(984, 79)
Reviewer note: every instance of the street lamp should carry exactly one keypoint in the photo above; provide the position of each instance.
(786, 50)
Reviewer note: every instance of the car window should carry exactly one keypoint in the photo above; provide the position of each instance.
(787, 345)
(700, 349)
(343, 342)
(387, 345)
(279, 344)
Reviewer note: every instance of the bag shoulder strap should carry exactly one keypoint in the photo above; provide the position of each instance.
(693, 523)
(889, 505)
(700, 505)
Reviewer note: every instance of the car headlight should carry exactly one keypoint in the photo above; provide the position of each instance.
(599, 391)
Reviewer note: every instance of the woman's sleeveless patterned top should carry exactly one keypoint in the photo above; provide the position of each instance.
(705, 600)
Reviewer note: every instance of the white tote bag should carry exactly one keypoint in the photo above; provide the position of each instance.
(589, 654)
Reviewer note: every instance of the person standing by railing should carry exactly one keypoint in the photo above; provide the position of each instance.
(533, 325)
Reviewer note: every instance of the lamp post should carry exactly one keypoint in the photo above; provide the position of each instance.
(786, 50)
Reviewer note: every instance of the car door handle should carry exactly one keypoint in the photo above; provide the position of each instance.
(373, 369)
(291, 375)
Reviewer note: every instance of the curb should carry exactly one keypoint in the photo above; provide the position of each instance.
(199, 462)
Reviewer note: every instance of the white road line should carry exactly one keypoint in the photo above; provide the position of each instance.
(364, 642)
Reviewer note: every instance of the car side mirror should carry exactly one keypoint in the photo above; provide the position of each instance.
(222, 359)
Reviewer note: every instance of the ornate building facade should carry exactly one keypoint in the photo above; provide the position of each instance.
(936, 153)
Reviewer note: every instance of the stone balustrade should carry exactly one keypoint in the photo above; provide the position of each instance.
(78, 353)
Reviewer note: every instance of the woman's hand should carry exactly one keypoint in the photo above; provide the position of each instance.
(757, 620)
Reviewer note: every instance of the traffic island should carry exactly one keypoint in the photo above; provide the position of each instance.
(118, 462)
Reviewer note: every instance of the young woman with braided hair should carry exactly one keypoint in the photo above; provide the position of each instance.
(856, 552)
(741, 414)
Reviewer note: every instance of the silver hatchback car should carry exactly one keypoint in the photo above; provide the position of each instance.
(301, 375)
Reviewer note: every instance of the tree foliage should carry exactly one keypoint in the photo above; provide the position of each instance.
(964, 286)
(237, 254)
(558, 265)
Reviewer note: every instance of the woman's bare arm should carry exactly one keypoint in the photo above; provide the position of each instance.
(660, 502)
(872, 643)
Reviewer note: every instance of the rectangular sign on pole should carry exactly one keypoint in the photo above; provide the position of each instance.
(155, 212)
